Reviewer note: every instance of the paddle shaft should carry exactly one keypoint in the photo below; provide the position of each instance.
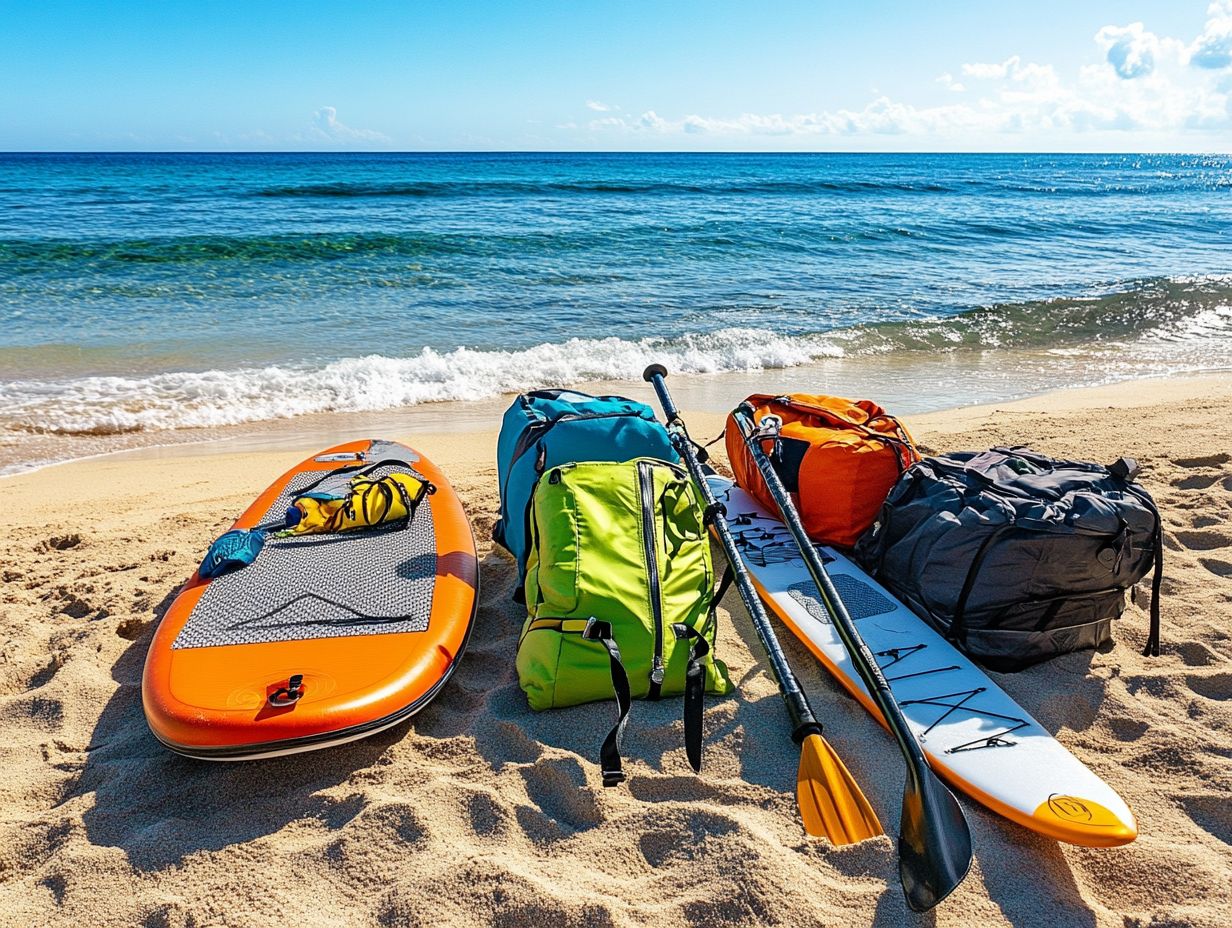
(804, 722)
(861, 657)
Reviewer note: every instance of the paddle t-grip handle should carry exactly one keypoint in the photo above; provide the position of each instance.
(655, 375)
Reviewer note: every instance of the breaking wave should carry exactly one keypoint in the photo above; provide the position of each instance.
(1168, 321)
(113, 405)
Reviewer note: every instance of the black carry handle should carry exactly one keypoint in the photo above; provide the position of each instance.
(934, 844)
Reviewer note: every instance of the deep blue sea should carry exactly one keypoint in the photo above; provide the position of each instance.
(147, 292)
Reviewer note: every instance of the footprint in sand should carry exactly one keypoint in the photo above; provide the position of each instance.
(1212, 813)
(43, 675)
(488, 815)
(1204, 540)
(1128, 729)
(563, 804)
(1212, 464)
(1216, 686)
(46, 712)
(75, 607)
(1196, 654)
(59, 543)
(1217, 567)
(399, 820)
(57, 885)
(684, 838)
(132, 629)
(1205, 460)
(1195, 481)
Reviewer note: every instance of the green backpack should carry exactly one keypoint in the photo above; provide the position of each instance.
(620, 591)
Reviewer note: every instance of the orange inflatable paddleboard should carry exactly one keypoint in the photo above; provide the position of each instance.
(323, 638)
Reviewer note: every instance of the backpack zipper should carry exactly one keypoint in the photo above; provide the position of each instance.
(645, 476)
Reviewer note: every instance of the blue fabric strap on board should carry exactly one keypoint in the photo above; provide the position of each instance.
(230, 551)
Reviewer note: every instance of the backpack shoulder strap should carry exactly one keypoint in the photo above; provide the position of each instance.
(694, 692)
(609, 754)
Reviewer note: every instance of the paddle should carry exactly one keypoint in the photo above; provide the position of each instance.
(830, 800)
(934, 843)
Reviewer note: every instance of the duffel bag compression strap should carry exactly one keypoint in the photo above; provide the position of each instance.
(1127, 470)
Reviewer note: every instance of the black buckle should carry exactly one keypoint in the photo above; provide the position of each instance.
(290, 694)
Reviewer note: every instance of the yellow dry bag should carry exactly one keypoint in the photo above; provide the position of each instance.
(365, 502)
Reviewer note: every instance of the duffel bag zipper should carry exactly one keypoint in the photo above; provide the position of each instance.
(645, 475)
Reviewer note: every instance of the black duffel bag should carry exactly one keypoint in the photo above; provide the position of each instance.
(1014, 556)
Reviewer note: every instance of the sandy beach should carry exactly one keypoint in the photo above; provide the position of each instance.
(480, 812)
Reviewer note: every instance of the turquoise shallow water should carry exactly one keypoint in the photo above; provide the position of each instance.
(151, 292)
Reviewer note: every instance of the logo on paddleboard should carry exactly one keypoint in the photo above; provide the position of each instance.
(1084, 814)
(1070, 809)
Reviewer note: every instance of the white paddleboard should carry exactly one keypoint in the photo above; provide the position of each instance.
(976, 737)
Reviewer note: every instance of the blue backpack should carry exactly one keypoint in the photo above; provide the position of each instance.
(545, 428)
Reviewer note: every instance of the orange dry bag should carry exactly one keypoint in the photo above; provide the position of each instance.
(839, 458)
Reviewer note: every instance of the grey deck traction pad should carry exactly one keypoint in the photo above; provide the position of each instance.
(370, 582)
(861, 599)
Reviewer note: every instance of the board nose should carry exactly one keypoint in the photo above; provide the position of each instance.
(1104, 827)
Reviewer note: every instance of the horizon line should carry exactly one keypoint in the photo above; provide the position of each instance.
(580, 151)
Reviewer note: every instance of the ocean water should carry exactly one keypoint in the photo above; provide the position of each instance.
(143, 293)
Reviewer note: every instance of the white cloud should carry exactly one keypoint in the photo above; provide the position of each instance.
(1212, 50)
(1143, 86)
(989, 72)
(947, 81)
(326, 127)
(650, 120)
(598, 106)
(1129, 49)
(1012, 69)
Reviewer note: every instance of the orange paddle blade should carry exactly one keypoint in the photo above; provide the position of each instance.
(831, 801)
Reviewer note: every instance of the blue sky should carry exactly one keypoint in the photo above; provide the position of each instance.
(715, 75)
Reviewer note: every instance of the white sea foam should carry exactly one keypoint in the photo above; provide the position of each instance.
(109, 405)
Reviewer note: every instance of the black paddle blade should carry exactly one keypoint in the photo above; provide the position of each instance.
(934, 842)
